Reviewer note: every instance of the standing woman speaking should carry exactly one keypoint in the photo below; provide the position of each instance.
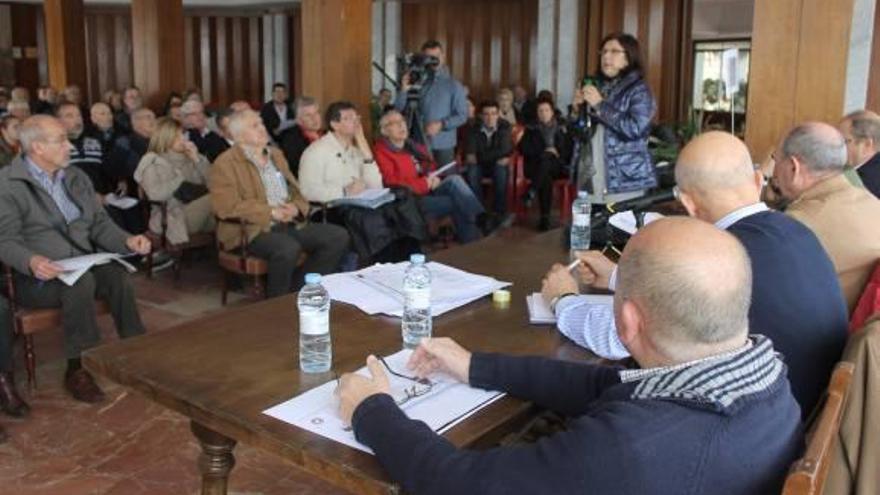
(619, 109)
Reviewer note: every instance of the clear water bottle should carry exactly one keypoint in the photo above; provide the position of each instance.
(315, 349)
(416, 321)
(580, 223)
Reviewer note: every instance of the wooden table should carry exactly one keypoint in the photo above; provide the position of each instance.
(223, 370)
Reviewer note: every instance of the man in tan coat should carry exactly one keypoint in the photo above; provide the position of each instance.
(252, 182)
(809, 172)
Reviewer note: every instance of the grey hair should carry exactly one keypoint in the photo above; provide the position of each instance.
(865, 125)
(683, 300)
(188, 107)
(33, 129)
(821, 152)
(13, 104)
(140, 111)
(303, 102)
(236, 122)
(384, 118)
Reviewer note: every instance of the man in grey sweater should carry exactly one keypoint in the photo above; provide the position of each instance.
(443, 106)
(48, 212)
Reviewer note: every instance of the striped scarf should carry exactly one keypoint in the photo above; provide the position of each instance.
(717, 382)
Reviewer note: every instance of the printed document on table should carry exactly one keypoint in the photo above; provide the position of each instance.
(74, 268)
(539, 310)
(379, 288)
(626, 220)
(446, 404)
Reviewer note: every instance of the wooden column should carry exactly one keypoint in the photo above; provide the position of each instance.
(798, 67)
(336, 46)
(65, 42)
(158, 49)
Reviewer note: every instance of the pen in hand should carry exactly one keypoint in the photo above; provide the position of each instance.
(571, 266)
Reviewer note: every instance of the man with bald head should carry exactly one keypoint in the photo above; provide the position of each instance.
(809, 174)
(861, 130)
(796, 301)
(708, 409)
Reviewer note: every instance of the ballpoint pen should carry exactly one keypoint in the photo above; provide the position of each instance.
(571, 266)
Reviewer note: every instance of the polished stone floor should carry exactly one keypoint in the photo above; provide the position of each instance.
(128, 445)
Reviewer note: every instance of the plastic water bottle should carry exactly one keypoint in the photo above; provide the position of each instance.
(315, 348)
(580, 223)
(416, 322)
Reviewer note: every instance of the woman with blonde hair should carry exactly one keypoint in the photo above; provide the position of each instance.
(173, 172)
(505, 106)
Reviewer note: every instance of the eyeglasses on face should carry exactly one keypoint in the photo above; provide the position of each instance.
(611, 51)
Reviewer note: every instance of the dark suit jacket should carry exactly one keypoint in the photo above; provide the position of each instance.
(271, 119)
(293, 143)
(870, 174)
(210, 145)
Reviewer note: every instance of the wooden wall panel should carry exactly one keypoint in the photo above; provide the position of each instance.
(873, 102)
(488, 44)
(108, 45)
(24, 20)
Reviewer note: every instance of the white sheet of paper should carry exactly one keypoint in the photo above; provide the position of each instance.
(121, 202)
(447, 403)
(626, 220)
(442, 169)
(539, 310)
(379, 288)
(370, 194)
(75, 267)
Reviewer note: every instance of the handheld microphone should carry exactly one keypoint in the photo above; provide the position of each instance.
(642, 202)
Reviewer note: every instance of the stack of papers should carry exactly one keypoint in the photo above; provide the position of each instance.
(443, 169)
(447, 403)
(626, 220)
(121, 202)
(539, 310)
(378, 289)
(370, 198)
(74, 268)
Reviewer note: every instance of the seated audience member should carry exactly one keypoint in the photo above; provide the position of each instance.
(131, 101)
(223, 124)
(239, 106)
(306, 131)
(129, 149)
(195, 122)
(506, 111)
(245, 183)
(174, 173)
(73, 94)
(9, 147)
(705, 396)
(520, 96)
(861, 130)
(19, 109)
(174, 100)
(546, 148)
(378, 106)
(10, 401)
(487, 154)
(102, 127)
(796, 299)
(114, 99)
(340, 163)
(809, 174)
(276, 113)
(48, 213)
(47, 98)
(87, 153)
(405, 163)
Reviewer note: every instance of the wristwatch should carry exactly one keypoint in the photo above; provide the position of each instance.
(555, 300)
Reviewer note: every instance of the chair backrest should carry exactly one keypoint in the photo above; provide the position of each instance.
(807, 474)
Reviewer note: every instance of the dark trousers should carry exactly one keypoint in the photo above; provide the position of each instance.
(131, 220)
(6, 363)
(498, 173)
(542, 173)
(108, 282)
(323, 244)
(443, 156)
(454, 198)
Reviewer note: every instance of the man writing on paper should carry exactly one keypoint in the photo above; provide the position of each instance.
(796, 300)
(727, 424)
(48, 212)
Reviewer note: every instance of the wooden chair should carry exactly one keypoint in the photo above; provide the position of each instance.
(197, 240)
(26, 322)
(240, 262)
(807, 474)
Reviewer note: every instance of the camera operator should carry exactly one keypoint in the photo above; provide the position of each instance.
(443, 106)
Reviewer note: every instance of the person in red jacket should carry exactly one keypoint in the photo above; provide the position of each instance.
(404, 163)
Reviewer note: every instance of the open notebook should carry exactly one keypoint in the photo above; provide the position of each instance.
(539, 311)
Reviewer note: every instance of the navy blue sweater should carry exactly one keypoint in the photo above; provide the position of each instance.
(796, 300)
(618, 444)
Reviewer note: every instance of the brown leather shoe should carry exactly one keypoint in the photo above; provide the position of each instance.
(10, 402)
(82, 386)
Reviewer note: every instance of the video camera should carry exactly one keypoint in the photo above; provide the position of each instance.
(421, 68)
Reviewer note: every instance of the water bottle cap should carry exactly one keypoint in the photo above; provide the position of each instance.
(313, 278)
(582, 194)
(417, 259)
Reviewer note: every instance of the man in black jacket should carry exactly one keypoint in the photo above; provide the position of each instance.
(195, 122)
(862, 133)
(487, 154)
(276, 113)
(306, 131)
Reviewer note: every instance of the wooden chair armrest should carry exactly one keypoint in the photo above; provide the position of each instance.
(242, 223)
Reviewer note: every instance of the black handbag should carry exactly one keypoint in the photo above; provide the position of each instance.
(189, 191)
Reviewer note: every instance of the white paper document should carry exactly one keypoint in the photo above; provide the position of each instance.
(626, 220)
(74, 268)
(378, 289)
(539, 310)
(369, 198)
(446, 403)
(121, 202)
(442, 169)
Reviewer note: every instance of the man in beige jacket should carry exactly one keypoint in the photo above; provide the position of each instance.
(809, 172)
(252, 182)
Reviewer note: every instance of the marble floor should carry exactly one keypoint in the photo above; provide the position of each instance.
(127, 444)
